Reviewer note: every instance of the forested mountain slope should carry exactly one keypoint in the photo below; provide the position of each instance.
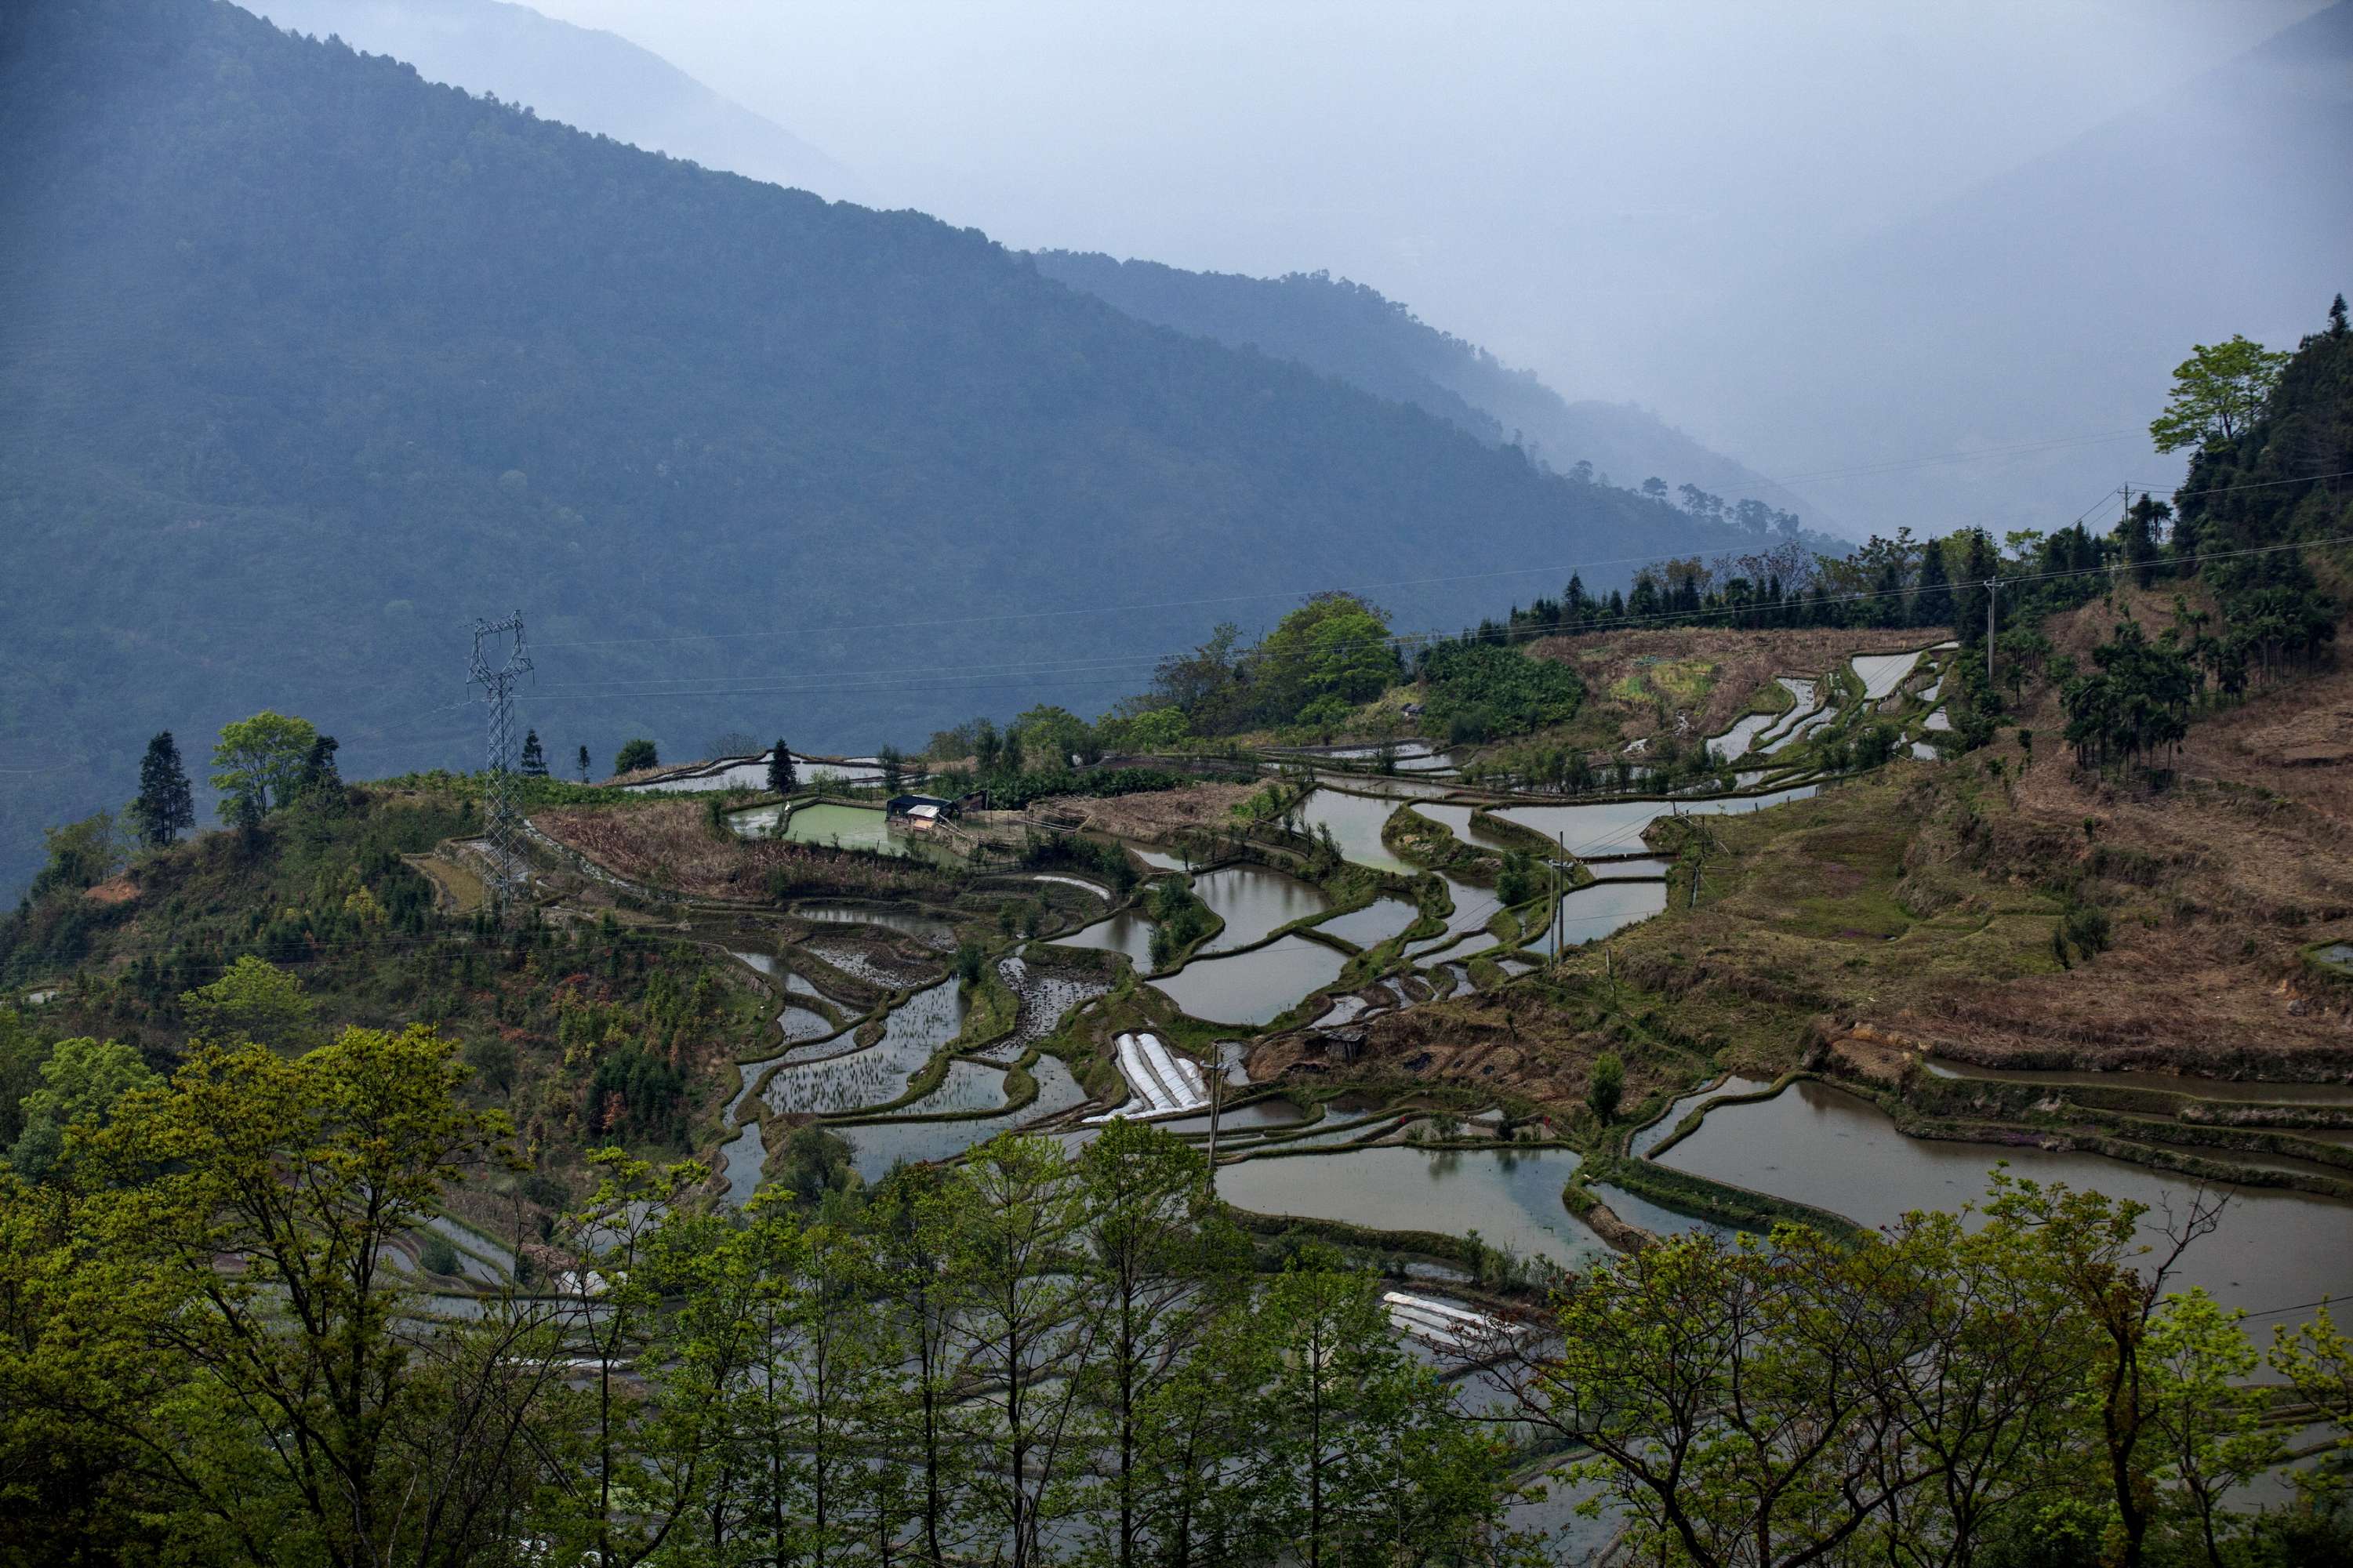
(584, 76)
(303, 360)
(1350, 330)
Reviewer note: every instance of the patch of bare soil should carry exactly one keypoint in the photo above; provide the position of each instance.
(1515, 1041)
(669, 843)
(2212, 887)
(1734, 664)
(113, 890)
(1155, 816)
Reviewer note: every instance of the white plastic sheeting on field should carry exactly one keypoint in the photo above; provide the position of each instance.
(1444, 1326)
(1163, 1081)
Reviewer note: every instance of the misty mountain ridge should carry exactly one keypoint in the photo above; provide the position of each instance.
(600, 82)
(2050, 303)
(586, 78)
(1351, 330)
(307, 361)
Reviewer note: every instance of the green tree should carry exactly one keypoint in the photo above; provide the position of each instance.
(782, 779)
(629, 1467)
(320, 777)
(1362, 1449)
(1053, 736)
(2092, 1247)
(1335, 648)
(1157, 1256)
(1721, 1388)
(1020, 1328)
(258, 762)
(1607, 1084)
(635, 755)
(535, 757)
(1160, 729)
(81, 1081)
(2317, 1359)
(1932, 606)
(1980, 568)
(245, 1214)
(22, 1052)
(164, 808)
(919, 1221)
(253, 1001)
(81, 855)
(582, 762)
(2208, 1418)
(2217, 392)
(2136, 536)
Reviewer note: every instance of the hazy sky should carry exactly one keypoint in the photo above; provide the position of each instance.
(1565, 184)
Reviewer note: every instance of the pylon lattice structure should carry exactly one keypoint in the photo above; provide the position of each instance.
(501, 823)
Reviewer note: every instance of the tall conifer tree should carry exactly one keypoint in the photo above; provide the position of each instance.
(164, 807)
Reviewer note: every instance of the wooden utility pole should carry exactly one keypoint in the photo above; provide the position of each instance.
(1993, 589)
(1217, 1101)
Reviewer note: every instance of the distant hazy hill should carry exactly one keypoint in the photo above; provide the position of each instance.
(595, 81)
(302, 360)
(1355, 332)
(2053, 301)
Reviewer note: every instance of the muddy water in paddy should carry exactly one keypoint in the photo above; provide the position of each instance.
(876, 1148)
(1254, 901)
(1651, 1137)
(1372, 925)
(1734, 744)
(1512, 1198)
(1615, 827)
(2171, 1083)
(1125, 931)
(1456, 819)
(968, 1087)
(1882, 673)
(1656, 1218)
(929, 930)
(1240, 1119)
(1821, 1146)
(741, 1161)
(1599, 909)
(1355, 822)
(912, 1034)
(830, 822)
(1474, 906)
(1253, 988)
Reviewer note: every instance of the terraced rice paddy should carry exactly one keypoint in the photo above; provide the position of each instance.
(1510, 1198)
(1046, 998)
(968, 1086)
(913, 1034)
(1254, 902)
(929, 930)
(1649, 1138)
(1820, 1145)
(1600, 910)
(1126, 933)
(1355, 822)
(1372, 925)
(1253, 988)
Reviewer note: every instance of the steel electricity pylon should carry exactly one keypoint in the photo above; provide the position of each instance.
(501, 827)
